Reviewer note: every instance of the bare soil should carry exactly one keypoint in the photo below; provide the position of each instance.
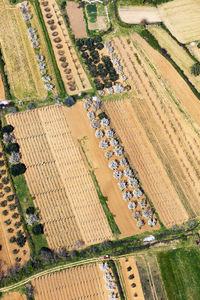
(136, 14)
(77, 22)
(14, 296)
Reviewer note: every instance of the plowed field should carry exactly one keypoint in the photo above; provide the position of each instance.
(58, 178)
(85, 282)
(157, 134)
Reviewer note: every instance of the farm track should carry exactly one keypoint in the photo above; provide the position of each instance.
(58, 179)
(174, 141)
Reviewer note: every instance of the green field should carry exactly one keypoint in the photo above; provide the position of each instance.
(92, 12)
(180, 270)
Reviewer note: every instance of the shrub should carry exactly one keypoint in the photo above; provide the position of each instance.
(15, 251)
(15, 215)
(38, 229)
(3, 172)
(10, 197)
(18, 169)
(46, 254)
(30, 210)
(5, 180)
(1, 163)
(7, 222)
(1, 195)
(12, 239)
(12, 147)
(5, 212)
(195, 69)
(21, 240)
(10, 230)
(198, 45)
(7, 129)
(7, 189)
(12, 206)
(1, 185)
(18, 259)
(3, 203)
(17, 224)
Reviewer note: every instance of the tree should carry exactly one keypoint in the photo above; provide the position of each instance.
(38, 229)
(12, 147)
(195, 69)
(21, 240)
(131, 276)
(18, 169)
(7, 129)
(14, 157)
(69, 101)
(30, 210)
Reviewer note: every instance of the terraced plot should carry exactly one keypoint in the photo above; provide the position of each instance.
(58, 178)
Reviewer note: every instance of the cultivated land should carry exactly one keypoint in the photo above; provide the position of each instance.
(21, 65)
(194, 50)
(59, 179)
(157, 136)
(75, 283)
(180, 273)
(136, 14)
(8, 258)
(2, 91)
(177, 53)
(99, 164)
(72, 72)
(77, 22)
(132, 293)
(182, 19)
(14, 296)
(99, 22)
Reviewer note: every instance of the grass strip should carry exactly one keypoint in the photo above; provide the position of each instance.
(112, 265)
(4, 77)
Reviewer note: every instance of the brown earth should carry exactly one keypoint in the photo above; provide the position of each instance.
(85, 282)
(77, 22)
(58, 178)
(132, 293)
(72, 72)
(14, 296)
(2, 91)
(168, 150)
(108, 184)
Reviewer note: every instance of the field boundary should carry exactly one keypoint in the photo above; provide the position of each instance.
(4, 77)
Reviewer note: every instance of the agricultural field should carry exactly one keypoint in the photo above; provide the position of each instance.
(96, 17)
(14, 296)
(150, 277)
(21, 65)
(2, 91)
(131, 278)
(76, 13)
(194, 50)
(58, 178)
(82, 282)
(180, 273)
(138, 14)
(98, 163)
(72, 72)
(159, 140)
(11, 225)
(176, 52)
(182, 19)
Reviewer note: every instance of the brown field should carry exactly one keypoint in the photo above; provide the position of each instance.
(99, 164)
(58, 178)
(2, 91)
(76, 13)
(85, 282)
(21, 65)
(132, 293)
(135, 14)
(182, 19)
(159, 139)
(177, 53)
(14, 296)
(72, 72)
(7, 257)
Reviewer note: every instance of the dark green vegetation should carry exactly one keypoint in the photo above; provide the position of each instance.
(4, 78)
(18, 169)
(180, 271)
(195, 69)
(92, 12)
(100, 68)
(117, 280)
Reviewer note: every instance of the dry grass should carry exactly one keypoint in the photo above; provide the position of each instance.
(58, 178)
(160, 141)
(135, 14)
(72, 72)
(14, 296)
(2, 91)
(177, 53)
(85, 282)
(182, 19)
(21, 65)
